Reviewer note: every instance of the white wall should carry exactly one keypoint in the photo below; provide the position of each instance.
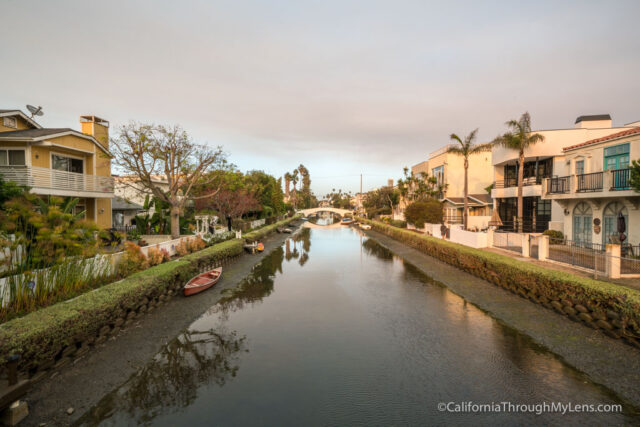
(468, 238)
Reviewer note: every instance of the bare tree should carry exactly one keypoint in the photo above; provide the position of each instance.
(147, 151)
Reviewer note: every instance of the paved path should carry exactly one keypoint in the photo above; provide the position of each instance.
(606, 361)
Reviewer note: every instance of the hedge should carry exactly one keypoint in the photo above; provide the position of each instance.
(52, 333)
(607, 306)
(264, 231)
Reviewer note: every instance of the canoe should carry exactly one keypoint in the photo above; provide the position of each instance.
(346, 221)
(260, 247)
(202, 282)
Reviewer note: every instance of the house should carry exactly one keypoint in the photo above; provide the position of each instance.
(591, 185)
(448, 170)
(543, 160)
(123, 213)
(60, 161)
(130, 189)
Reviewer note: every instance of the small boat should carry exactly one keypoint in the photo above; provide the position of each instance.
(346, 221)
(365, 226)
(283, 230)
(202, 282)
(260, 247)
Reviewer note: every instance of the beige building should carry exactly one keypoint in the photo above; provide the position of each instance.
(448, 169)
(591, 185)
(60, 161)
(543, 160)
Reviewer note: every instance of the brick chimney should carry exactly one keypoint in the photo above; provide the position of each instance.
(97, 128)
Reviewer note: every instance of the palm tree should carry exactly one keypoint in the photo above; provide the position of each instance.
(294, 181)
(287, 183)
(519, 137)
(466, 149)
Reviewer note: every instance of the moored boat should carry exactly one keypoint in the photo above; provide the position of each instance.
(202, 282)
(346, 221)
(365, 226)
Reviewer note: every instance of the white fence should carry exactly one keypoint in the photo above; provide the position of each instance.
(98, 265)
(468, 238)
(257, 223)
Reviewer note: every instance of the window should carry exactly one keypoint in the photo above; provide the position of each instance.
(616, 157)
(582, 219)
(80, 210)
(67, 164)
(12, 158)
(438, 174)
(579, 167)
(610, 220)
(10, 122)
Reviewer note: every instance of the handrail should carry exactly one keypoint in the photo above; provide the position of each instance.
(589, 182)
(37, 177)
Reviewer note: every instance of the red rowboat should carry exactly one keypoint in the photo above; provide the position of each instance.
(202, 282)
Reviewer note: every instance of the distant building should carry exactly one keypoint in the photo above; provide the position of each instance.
(448, 170)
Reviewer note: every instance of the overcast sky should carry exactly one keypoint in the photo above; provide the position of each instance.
(344, 87)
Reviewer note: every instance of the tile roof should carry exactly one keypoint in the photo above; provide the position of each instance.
(628, 132)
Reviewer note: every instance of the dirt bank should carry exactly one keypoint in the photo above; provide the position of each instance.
(92, 376)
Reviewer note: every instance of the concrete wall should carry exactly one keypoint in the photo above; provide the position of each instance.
(468, 238)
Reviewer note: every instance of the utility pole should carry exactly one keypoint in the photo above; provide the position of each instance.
(360, 198)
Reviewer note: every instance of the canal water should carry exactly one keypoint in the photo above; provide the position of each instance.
(332, 329)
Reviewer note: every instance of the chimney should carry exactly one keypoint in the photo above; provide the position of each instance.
(596, 121)
(97, 128)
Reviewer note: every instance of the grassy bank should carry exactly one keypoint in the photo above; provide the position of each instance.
(51, 335)
(613, 309)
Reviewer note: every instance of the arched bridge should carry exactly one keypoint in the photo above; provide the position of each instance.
(311, 211)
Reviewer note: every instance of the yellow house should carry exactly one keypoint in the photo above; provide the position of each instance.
(60, 161)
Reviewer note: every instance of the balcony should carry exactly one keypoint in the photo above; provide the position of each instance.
(588, 182)
(559, 185)
(620, 179)
(589, 185)
(513, 182)
(59, 183)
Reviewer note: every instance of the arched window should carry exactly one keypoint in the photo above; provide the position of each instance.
(610, 221)
(582, 219)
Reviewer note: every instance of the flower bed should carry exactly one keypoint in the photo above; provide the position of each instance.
(611, 308)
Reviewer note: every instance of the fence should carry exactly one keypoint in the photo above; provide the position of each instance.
(580, 254)
(509, 241)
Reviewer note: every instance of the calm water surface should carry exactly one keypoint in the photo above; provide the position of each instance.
(332, 329)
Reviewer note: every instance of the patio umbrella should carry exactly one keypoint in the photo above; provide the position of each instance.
(495, 219)
(622, 226)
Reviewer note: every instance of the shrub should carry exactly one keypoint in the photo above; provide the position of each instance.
(421, 212)
(182, 248)
(195, 244)
(155, 256)
(398, 223)
(165, 255)
(262, 232)
(132, 261)
(554, 234)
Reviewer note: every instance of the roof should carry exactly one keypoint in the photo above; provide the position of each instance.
(33, 133)
(120, 204)
(42, 134)
(593, 117)
(628, 132)
(474, 200)
(9, 113)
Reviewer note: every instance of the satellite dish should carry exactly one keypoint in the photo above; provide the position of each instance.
(35, 111)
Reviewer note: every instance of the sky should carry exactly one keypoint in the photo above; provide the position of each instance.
(344, 87)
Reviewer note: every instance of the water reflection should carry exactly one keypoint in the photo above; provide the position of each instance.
(324, 218)
(172, 379)
(373, 248)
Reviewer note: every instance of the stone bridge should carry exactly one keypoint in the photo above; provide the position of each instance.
(311, 211)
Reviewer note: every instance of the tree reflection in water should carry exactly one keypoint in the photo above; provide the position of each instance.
(372, 247)
(172, 379)
(197, 357)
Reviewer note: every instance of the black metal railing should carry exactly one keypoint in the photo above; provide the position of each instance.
(559, 185)
(588, 182)
(579, 254)
(513, 182)
(620, 179)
